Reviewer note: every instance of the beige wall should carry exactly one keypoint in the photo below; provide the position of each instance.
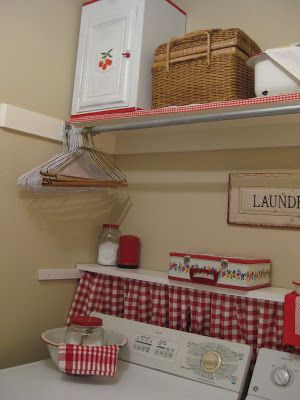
(271, 23)
(38, 49)
(38, 40)
(179, 201)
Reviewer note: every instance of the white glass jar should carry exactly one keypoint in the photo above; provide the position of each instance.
(109, 245)
(85, 331)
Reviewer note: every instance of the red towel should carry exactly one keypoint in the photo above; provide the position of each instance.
(291, 330)
(88, 360)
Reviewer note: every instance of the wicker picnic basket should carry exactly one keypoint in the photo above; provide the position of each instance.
(202, 67)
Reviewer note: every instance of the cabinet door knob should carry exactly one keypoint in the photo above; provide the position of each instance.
(126, 54)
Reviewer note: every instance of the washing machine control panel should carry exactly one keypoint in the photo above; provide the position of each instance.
(276, 376)
(155, 346)
(207, 360)
(214, 361)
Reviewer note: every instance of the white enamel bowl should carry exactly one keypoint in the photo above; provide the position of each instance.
(54, 337)
(270, 78)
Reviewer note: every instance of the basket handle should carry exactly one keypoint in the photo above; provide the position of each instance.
(210, 279)
(199, 32)
(207, 33)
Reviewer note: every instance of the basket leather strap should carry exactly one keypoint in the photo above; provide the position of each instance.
(207, 33)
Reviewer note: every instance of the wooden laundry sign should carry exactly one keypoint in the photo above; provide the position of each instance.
(264, 199)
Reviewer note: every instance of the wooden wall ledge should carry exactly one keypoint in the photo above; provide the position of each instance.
(29, 122)
(270, 293)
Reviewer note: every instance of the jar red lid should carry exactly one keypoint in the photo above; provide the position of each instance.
(110, 226)
(85, 320)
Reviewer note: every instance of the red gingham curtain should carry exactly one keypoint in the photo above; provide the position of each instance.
(251, 321)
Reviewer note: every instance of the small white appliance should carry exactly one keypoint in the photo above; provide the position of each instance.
(157, 363)
(276, 376)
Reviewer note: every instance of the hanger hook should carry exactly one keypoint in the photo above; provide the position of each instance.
(88, 130)
(88, 133)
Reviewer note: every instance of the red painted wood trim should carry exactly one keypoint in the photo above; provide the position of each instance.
(89, 2)
(218, 258)
(75, 117)
(245, 289)
(177, 7)
(289, 324)
(169, 1)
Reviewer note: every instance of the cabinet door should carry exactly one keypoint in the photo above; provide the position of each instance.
(103, 71)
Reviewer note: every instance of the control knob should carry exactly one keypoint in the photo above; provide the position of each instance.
(211, 361)
(281, 376)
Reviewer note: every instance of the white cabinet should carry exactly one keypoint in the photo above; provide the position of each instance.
(115, 51)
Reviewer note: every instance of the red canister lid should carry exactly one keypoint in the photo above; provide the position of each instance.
(115, 226)
(85, 320)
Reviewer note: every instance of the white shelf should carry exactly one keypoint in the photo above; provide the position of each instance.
(271, 293)
(251, 123)
(54, 274)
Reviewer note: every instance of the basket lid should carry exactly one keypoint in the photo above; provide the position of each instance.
(197, 43)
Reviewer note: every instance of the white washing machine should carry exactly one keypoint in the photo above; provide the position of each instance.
(157, 363)
(276, 376)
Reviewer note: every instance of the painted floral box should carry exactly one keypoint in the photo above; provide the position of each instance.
(230, 272)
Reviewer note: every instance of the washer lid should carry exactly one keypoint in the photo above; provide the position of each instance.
(41, 380)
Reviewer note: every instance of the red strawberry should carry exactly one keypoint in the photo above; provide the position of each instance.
(104, 66)
(100, 63)
(108, 62)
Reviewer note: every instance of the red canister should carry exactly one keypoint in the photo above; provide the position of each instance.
(129, 251)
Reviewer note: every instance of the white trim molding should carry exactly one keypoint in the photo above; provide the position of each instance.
(58, 274)
(30, 122)
(268, 293)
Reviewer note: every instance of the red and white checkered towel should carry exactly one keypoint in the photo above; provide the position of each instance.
(88, 360)
(291, 332)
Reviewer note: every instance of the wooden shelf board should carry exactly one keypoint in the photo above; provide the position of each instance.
(29, 122)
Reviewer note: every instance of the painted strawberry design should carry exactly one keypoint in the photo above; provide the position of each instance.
(106, 60)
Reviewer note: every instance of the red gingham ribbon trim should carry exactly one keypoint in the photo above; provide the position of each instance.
(184, 109)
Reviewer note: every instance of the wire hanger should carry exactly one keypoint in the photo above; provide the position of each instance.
(86, 166)
(80, 167)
